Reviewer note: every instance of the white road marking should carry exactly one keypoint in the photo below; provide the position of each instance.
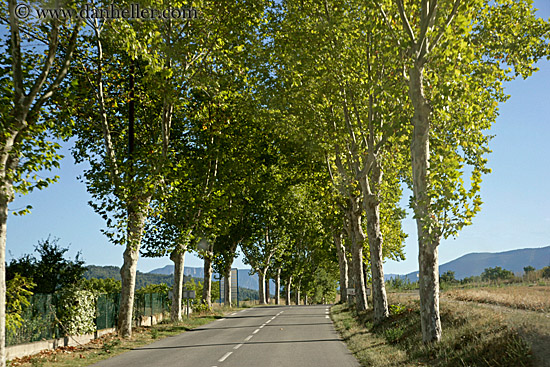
(262, 326)
(225, 356)
(327, 317)
(248, 338)
(234, 313)
(273, 318)
(268, 321)
(255, 331)
(221, 319)
(238, 346)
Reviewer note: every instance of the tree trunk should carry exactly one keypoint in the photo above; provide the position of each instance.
(178, 257)
(267, 299)
(227, 287)
(298, 292)
(207, 286)
(358, 239)
(342, 265)
(379, 299)
(288, 284)
(261, 284)
(428, 236)
(278, 287)
(4, 200)
(136, 221)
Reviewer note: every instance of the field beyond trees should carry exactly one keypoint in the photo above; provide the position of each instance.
(506, 325)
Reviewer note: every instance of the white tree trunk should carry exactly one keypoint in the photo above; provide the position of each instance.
(278, 287)
(358, 240)
(227, 288)
(288, 285)
(4, 200)
(136, 221)
(267, 298)
(380, 301)
(342, 265)
(297, 292)
(178, 257)
(428, 237)
(261, 284)
(207, 285)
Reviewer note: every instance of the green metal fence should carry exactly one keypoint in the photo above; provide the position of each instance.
(40, 321)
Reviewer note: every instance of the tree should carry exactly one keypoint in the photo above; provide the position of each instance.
(453, 70)
(354, 92)
(50, 272)
(28, 83)
(448, 277)
(528, 269)
(496, 273)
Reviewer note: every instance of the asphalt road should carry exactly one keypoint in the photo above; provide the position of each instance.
(263, 336)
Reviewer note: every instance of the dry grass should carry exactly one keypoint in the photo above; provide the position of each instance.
(535, 298)
(472, 336)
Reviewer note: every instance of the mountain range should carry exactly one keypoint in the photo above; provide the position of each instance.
(245, 279)
(474, 264)
(465, 266)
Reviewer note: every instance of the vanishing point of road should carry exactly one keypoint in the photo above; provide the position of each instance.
(272, 336)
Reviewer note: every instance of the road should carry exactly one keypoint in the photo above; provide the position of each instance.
(263, 336)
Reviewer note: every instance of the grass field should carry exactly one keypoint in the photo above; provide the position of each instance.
(473, 335)
(535, 298)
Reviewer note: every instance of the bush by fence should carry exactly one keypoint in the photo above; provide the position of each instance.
(51, 316)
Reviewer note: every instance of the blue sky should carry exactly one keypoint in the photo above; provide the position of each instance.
(515, 213)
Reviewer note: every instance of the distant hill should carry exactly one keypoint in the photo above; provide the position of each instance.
(144, 279)
(245, 280)
(475, 263)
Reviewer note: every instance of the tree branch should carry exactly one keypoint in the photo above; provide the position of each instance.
(405, 20)
(447, 24)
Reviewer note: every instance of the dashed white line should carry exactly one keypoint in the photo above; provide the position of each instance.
(225, 356)
(238, 346)
(262, 326)
(327, 317)
(234, 313)
(255, 331)
(220, 319)
(268, 321)
(248, 338)
(273, 318)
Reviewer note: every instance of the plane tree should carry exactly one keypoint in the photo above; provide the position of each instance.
(35, 59)
(349, 100)
(456, 56)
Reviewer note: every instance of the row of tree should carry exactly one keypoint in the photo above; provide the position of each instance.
(285, 128)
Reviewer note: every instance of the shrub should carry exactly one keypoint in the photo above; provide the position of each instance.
(77, 311)
(18, 290)
(546, 272)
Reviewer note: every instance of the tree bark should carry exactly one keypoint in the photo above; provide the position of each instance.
(207, 285)
(267, 298)
(261, 284)
(5, 195)
(278, 287)
(136, 221)
(342, 265)
(288, 285)
(379, 299)
(178, 257)
(428, 234)
(358, 240)
(227, 288)
(297, 292)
